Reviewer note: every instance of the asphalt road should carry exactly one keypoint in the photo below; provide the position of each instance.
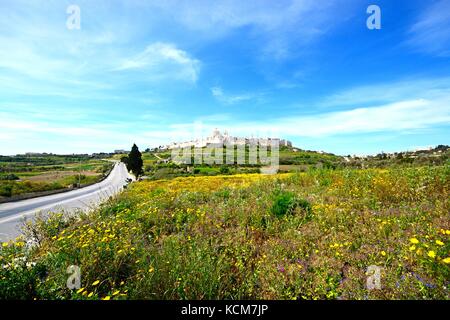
(13, 214)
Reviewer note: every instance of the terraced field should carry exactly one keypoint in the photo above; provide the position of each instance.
(23, 175)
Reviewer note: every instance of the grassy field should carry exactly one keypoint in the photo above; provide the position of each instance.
(29, 174)
(308, 235)
(292, 160)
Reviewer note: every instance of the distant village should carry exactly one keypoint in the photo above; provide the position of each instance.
(412, 154)
(218, 139)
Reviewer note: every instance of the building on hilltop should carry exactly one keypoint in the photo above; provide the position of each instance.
(285, 143)
(217, 139)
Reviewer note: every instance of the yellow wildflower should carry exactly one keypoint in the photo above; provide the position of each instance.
(412, 248)
(96, 282)
(383, 253)
(414, 240)
(80, 290)
(106, 298)
(446, 260)
(439, 242)
(431, 254)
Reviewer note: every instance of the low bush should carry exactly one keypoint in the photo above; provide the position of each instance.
(287, 202)
(10, 176)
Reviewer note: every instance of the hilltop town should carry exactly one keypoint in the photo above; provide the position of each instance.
(218, 139)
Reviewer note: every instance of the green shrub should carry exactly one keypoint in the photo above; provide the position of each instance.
(224, 170)
(6, 190)
(19, 281)
(286, 202)
(283, 204)
(10, 176)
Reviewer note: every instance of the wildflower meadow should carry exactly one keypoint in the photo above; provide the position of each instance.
(310, 235)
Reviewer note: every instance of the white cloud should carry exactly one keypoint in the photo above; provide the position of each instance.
(402, 106)
(389, 92)
(218, 93)
(41, 57)
(164, 60)
(281, 26)
(395, 117)
(398, 117)
(431, 33)
(44, 135)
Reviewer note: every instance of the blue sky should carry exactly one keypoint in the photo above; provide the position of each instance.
(151, 71)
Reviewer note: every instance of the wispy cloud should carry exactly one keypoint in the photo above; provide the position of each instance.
(56, 135)
(281, 26)
(431, 32)
(40, 56)
(219, 17)
(163, 60)
(402, 106)
(219, 94)
(389, 92)
(396, 117)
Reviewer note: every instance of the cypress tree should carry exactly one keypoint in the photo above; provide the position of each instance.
(134, 161)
